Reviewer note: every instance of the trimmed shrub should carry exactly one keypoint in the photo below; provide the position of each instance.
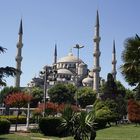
(4, 126)
(12, 119)
(50, 126)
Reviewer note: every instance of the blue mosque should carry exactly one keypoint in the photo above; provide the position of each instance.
(70, 68)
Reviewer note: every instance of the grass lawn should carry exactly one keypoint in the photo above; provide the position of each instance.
(121, 132)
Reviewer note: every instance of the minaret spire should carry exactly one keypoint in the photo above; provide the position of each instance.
(114, 61)
(20, 28)
(55, 54)
(19, 56)
(96, 55)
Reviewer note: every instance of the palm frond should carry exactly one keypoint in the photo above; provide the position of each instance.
(2, 50)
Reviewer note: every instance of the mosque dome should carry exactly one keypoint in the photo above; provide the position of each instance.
(87, 80)
(64, 71)
(90, 73)
(69, 58)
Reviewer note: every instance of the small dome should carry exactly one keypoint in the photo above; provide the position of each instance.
(90, 73)
(69, 58)
(87, 80)
(64, 71)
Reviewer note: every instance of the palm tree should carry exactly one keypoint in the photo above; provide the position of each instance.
(68, 120)
(84, 126)
(5, 71)
(131, 58)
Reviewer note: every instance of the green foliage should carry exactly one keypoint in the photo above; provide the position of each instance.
(68, 120)
(137, 92)
(6, 71)
(114, 98)
(110, 88)
(62, 93)
(107, 111)
(37, 94)
(84, 126)
(4, 126)
(86, 96)
(131, 58)
(129, 94)
(49, 126)
(12, 119)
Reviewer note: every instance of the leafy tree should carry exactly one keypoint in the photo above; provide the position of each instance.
(5, 71)
(37, 93)
(129, 94)
(137, 92)
(18, 100)
(86, 96)
(110, 88)
(134, 111)
(6, 91)
(61, 93)
(114, 94)
(131, 58)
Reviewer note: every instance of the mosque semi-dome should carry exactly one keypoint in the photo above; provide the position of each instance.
(69, 58)
(64, 71)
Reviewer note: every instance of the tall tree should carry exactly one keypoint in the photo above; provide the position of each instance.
(61, 93)
(86, 96)
(6, 91)
(5, 71)
(131, 58)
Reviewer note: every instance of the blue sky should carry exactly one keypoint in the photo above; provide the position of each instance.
(65, 22)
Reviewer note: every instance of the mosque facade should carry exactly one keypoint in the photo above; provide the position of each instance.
(70, 68)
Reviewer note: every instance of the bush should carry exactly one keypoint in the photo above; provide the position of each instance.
(4, 126)
(50, 126)
(12, 119)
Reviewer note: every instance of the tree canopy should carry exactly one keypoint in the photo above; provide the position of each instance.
(5, 71)
(62, 93)
(131, 58)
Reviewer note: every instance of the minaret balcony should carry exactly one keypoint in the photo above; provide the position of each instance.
(97, 39)
(19, 45)
(19, 58)
(114, 61)
(96, 53)
(96, 69)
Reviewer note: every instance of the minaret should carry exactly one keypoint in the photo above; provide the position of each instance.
(19, 57)
(114, 61)
(55, 54)
(96, 55)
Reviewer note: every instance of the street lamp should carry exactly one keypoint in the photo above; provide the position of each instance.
(30, 85)
(78, 47)
(46, 73)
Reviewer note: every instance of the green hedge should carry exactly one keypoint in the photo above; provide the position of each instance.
(12, 119)
(4, 126)
(50, 126)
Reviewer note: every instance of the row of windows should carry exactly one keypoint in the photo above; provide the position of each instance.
(61, 65)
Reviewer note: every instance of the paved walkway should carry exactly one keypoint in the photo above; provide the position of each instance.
(22, 127)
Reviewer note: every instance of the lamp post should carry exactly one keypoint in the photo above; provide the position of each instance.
(78, 47)
(30, 85)
(46, 73)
